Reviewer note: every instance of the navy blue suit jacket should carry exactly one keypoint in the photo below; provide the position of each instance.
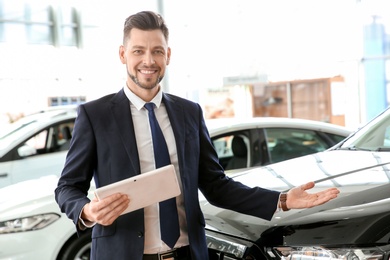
(103, 147)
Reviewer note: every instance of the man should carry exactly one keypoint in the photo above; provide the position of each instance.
(112, 141)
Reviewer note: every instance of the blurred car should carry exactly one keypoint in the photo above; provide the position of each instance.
(36, 145)
(33, 228)
(356, 225)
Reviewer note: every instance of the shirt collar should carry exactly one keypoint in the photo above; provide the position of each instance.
(139, 102)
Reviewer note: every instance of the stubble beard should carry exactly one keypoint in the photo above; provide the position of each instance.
(144, 86)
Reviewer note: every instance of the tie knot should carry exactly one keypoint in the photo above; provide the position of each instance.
(149, 106)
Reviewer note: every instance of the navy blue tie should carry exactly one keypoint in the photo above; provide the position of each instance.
(169, 219)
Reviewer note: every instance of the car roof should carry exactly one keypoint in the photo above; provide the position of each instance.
(219, 126)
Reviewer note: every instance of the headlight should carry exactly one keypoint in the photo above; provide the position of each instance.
(316, 253)
(27, 223)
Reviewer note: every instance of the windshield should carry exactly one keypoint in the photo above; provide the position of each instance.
(375, 136)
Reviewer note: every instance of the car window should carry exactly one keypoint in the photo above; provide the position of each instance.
(54, 139)
(13, 134)
(38, 141)
(288, 143)
(233, 150)
(335, 138)
(222, 146)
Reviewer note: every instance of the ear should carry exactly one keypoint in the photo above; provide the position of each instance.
(122, 56)
(168, 55)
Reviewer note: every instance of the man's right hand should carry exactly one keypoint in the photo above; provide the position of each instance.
(105, 211)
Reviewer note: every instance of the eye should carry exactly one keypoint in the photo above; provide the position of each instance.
(137, 52)
(159, 52)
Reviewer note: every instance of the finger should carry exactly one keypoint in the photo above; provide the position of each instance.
(110, 207)
(110, 217)
(112, 202)
(307, 186)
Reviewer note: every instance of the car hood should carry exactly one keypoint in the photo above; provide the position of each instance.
(362, 178)
(23, 198)
(30, 198)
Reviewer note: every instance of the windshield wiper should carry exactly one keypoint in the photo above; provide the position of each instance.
(383, 149)
(354, 148)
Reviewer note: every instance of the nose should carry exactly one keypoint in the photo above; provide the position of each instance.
(148, 59)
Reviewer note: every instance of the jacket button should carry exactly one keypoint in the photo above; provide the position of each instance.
(140, 234)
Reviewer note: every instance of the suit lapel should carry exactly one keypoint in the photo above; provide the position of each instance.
(122, 115)
(177, 119)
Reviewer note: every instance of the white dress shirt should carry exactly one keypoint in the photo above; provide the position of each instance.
(153, 242)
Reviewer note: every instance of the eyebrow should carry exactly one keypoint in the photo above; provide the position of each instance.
(143, 47)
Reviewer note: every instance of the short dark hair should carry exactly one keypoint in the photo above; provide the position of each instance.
(146, 21)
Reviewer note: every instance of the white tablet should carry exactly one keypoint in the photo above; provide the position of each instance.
(145, 189)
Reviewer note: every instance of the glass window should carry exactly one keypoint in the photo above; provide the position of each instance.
(233, 150)
(67, 15)
(63, 136)
(69, 26)
(38, 141)
(39, 34)
(12, 10)
(336, 138)
(223, 146)
(68, 36)
(56, 138)
(25, 22)
(37, 22)
(38, 12)
(286, 143)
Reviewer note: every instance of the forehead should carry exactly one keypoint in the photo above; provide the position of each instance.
(149, 38)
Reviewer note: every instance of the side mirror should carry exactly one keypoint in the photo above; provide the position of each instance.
(25, 151)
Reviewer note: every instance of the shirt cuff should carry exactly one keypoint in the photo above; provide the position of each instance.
(278, 208)
(84, 224)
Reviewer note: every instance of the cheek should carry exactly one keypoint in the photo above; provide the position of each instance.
(129, 62)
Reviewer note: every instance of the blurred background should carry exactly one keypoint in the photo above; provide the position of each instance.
(326, 60)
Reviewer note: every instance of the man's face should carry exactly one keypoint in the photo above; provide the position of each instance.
(146, 55)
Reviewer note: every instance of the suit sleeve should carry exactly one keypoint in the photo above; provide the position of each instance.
(73, 185)
(224, 192)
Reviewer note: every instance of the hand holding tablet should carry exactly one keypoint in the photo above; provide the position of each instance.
(145, 189)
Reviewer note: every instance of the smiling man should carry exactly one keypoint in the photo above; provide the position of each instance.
(137, 130)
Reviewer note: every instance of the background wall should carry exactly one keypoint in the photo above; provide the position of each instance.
(210, 40)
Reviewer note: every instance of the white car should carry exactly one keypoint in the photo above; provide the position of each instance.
(33, 228)
(36, 145)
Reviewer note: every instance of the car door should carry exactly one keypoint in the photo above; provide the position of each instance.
(42, 154)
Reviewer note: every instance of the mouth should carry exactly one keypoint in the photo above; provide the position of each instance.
(147, 72)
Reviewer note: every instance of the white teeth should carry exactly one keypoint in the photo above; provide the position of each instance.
(147, 71)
